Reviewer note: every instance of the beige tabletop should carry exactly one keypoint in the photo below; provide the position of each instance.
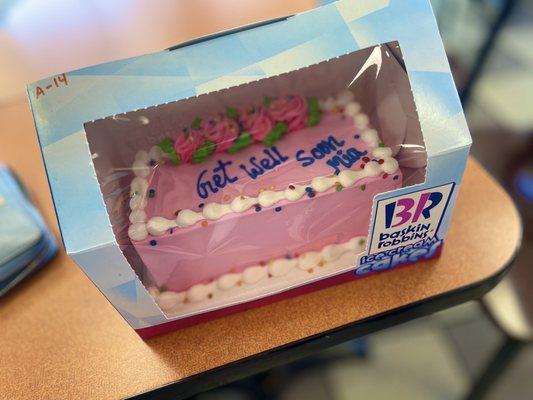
(60, 338)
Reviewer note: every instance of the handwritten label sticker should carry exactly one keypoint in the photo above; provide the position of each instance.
(56, 82)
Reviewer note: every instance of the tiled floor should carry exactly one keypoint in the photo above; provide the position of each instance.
(431, 358)
(410, 362)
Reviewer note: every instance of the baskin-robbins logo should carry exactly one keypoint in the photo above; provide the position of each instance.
(409, 218)
(405, 229)
(405, 210)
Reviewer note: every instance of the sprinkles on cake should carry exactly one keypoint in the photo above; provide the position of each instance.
(201, 143)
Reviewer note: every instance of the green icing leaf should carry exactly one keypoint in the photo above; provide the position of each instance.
(279, 129)
(314, 111)
(381, 144)
(167, 145)
(203, 152)
(312, 103)
(267, 100)
(196, 123)
(232, 113)
(312, 120)
(175, 158)
(244, 140)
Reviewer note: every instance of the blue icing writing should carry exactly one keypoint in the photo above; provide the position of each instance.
(324, 147)
(258, 168)
(321, 149)
(348, 159)
(219, 179)
(305, 160)
(331, 145)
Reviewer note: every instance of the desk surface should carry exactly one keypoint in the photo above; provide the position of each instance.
(60, 338)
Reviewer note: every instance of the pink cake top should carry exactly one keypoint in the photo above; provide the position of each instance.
(323, 150)
(221, 173)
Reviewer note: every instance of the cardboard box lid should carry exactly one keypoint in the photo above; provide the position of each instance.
(237, 57)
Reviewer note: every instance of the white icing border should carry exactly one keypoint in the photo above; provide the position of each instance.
(229, 285)
(140, 228)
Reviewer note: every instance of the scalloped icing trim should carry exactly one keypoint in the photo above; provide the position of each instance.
(230, 284)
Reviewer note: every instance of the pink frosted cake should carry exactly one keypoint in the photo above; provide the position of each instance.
(246, 197)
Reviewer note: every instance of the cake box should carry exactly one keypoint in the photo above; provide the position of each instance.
(256, 164)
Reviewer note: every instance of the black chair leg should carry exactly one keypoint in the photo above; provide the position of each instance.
(486, 49)
(499, 362)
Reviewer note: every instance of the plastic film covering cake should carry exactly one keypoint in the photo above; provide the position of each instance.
(256, 189)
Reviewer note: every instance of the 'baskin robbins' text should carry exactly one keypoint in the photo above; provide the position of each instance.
(407, 234)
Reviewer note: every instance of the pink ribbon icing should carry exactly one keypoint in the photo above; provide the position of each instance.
(257, 122)
(186, 144)
(292, 110)
(220, 130)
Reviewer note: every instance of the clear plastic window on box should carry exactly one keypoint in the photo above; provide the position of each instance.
(252, 190)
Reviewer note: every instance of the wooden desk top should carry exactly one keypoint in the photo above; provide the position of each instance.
(60, 338)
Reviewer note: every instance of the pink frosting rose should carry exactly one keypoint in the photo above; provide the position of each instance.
(220, 130)
(292, 110)
(186, 144)
(257, 122)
